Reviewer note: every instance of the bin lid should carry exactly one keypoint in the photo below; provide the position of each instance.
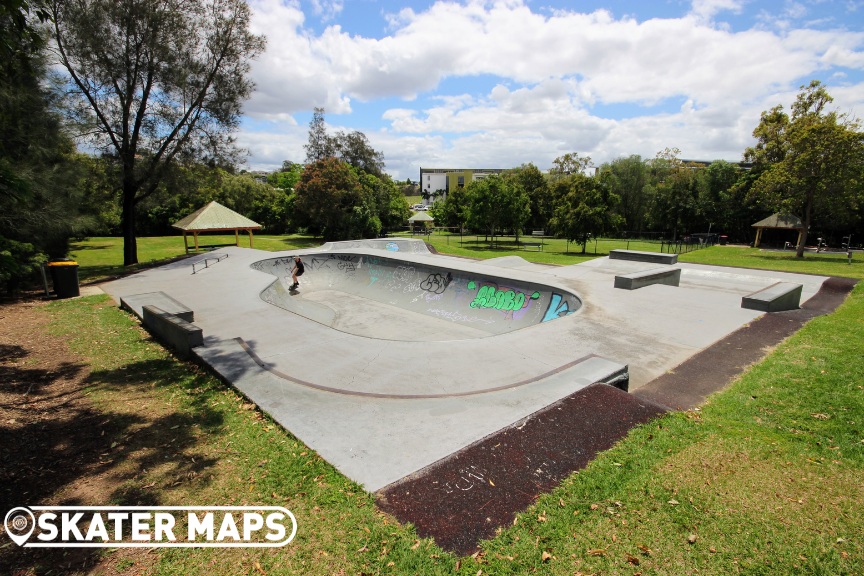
(63, 263)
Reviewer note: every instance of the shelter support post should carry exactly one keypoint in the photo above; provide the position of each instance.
(758, 237)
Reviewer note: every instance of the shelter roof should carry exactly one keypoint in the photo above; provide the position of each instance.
(215, 216)
(421, 217)
(780, 221)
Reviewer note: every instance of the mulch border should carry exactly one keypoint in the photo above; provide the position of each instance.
(462, 499)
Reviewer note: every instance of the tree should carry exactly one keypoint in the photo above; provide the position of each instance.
(722, 204)
(674, 195)
(287, 177)
(354, 149)
(675, 205)
(320, 144)
(452, 210)
(390, 205)
(157, 81)
(495, 202)
(584, 207)
(811, 163)
(351, 147)
(17, 33)
(535, 185)
(39, 169)
(628, 179)
(331, 201)
(570, 163)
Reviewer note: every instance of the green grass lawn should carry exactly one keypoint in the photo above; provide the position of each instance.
(811, 263)
(100, 258)
(554, 250)
(763, 479)
(558, 251)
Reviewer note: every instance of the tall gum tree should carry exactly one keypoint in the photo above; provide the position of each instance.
(809, 163)
(158, 81)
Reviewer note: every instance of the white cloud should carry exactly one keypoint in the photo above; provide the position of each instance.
(706, 9)
(621, 60)
(327, 9)
(552, 71)
(270, 148)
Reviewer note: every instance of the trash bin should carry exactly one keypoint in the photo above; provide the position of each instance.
(724, 240)
(64, 277)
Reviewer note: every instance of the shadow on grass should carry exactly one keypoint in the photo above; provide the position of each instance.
(105, 272)
(302, 242)
(32, 384)
(58, 448)
(511, 249)
(162, 373)
(76, 246)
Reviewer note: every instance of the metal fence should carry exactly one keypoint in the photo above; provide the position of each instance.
(644, 241)
(689, 243)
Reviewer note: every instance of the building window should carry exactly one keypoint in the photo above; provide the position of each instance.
(461, 181)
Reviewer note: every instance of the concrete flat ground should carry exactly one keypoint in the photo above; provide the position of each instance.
(380, 403)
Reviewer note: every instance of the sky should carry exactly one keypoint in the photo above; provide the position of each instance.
(498, 84)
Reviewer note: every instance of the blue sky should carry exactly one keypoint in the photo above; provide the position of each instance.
(496, 84)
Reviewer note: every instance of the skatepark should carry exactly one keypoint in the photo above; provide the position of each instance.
(381, 391)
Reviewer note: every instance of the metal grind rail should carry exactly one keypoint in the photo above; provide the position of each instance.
(201, 264)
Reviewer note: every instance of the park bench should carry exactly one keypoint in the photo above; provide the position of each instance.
(634, 280)
(775, 298)
(536, 246)
(173, 330)
(635, 255)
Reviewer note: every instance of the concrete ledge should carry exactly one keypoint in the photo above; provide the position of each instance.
(668, 276)
(135, 303)
(177, 333)
(775, 298)
(655, 257)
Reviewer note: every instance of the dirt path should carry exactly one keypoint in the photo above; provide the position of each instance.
(53, 441)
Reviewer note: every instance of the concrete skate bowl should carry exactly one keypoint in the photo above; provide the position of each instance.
(401, 299)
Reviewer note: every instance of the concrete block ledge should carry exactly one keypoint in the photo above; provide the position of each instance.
(136, 302)
(668, 276)
(177, 333)
(775, 298)
(655, 257)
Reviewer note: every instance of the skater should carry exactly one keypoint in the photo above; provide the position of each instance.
(299, 268)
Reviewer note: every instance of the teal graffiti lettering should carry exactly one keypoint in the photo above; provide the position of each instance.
(558, 307)
(507, 300)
